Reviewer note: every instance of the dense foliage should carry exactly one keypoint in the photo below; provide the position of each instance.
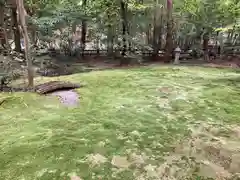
(146, 21)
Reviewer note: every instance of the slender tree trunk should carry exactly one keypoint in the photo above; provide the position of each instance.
(34, 37)
(128, 33)
(149, 34)
(123, 9)
(124, 27)
(3, 30)
(148, 39)
(98, 43)
(110, 41)
(2, 27)
(128, 29)
(160, 31)
(232, 35)
(84, 30)
(110, 37)
(205, 46)
(73, 40)
(6, 42)
(16, 31)
(221, 44)
(155, 31)
(22, 20)
(157, 40)
(169, 40)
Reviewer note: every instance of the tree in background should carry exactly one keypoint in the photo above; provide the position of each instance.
(169, 42)
(127, 26)
(22, 22)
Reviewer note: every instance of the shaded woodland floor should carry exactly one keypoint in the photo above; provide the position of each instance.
(61, 65)
(151, 122)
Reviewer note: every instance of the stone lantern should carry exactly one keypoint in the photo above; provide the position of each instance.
(177, 52)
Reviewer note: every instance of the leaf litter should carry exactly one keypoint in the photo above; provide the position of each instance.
(210, 152)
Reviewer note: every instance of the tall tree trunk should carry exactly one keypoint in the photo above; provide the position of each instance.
(160, 31)
(148, 35)
(128, 33)
(232, 35)
(22, 20)
(34, 36)
(84, 29)
(128, 29)
(205, 46)
(169, 40)
(98, 45)
(110, 36)
(186, 43)
(124, 27)
(2, 27)
(221, 44)
(73, 40)
(155, 31)
(16, 31)
(3, 30)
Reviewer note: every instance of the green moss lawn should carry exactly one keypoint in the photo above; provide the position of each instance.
(142, 111)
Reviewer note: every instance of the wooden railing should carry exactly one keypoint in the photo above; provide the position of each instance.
(144, 53)
(104, 52)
